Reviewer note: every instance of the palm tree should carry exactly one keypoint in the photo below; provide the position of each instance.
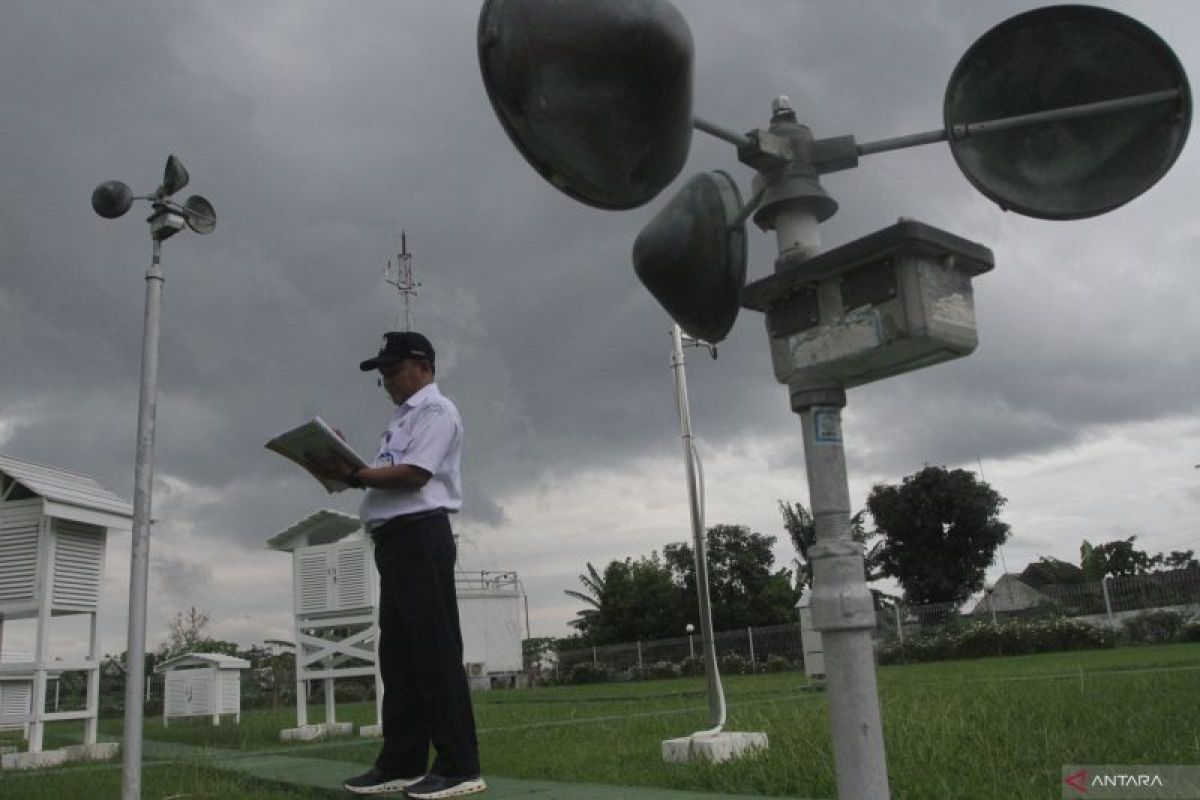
(587, 619)
(799, 523)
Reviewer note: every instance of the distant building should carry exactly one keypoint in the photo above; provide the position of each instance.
(1037, 586)
(1059, 587)
(1010, 593)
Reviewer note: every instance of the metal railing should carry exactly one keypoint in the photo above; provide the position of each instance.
(1110, 603)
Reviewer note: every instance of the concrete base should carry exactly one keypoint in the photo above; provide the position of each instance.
(370, 730)
(713, 747)
(307, 733)
(52, 758)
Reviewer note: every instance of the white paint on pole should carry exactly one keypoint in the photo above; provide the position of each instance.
(139, 557)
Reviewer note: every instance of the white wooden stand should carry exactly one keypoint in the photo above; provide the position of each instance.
(335, 623)
(53, 529)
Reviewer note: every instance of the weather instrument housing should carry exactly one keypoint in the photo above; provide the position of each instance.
(897, 300)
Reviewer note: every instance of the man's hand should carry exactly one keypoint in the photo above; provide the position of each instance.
(330, 467)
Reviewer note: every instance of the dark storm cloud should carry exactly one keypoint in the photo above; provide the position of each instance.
(320, 130)
(185, 583)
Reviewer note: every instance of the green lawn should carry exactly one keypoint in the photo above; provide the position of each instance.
(999, 728)
(176, 781)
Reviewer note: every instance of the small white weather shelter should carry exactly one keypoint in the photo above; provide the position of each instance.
(333, 598)
(202, 685)
(54, 526)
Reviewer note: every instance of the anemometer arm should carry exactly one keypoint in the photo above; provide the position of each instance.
(712, 129)
(767, 153)
(967, 129)
(842, 152)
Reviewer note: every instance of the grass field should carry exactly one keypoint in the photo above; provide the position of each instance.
(999, 728)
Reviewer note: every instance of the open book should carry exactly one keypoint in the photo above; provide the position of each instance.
(315, 442)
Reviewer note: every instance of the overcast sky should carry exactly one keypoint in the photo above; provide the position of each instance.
(321, 130)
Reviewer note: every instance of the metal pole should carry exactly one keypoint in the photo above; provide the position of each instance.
(842, 608)
(1112, 623)
(750, 636)
(525, 597)
(691, 647)
(899, 625)
(139, 558)
(716, 695)
(992, 606)
(639, 649)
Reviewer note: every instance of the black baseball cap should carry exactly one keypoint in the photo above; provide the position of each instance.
(397, 346)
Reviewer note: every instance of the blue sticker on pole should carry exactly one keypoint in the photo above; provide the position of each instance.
(827, 426)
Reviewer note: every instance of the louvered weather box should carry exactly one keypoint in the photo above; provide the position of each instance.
(202, 685)
(333, 596)
(53, 529)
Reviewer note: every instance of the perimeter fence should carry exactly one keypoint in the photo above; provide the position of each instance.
(1013, 618)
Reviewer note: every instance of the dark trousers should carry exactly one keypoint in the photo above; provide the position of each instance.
(425, 695)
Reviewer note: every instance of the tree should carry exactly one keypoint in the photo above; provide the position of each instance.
(1120, 557)
(940, 530)
(802, 529)
(1179, 559)
(1050, 570)
(742, 588)
(632, 600)
(536, 648)
(188, 633)
(588, 620)
(537, 655)
(184, 633)
(222, 646)
(1114, 558)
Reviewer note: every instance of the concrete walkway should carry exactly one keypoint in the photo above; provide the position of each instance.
(323, 773)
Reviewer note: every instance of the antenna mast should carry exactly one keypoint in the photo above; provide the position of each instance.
(402, 279)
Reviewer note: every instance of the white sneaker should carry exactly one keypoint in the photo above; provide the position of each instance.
(435, 787)
(375, 781)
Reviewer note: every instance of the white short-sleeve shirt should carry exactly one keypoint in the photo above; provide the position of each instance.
(425, 431)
